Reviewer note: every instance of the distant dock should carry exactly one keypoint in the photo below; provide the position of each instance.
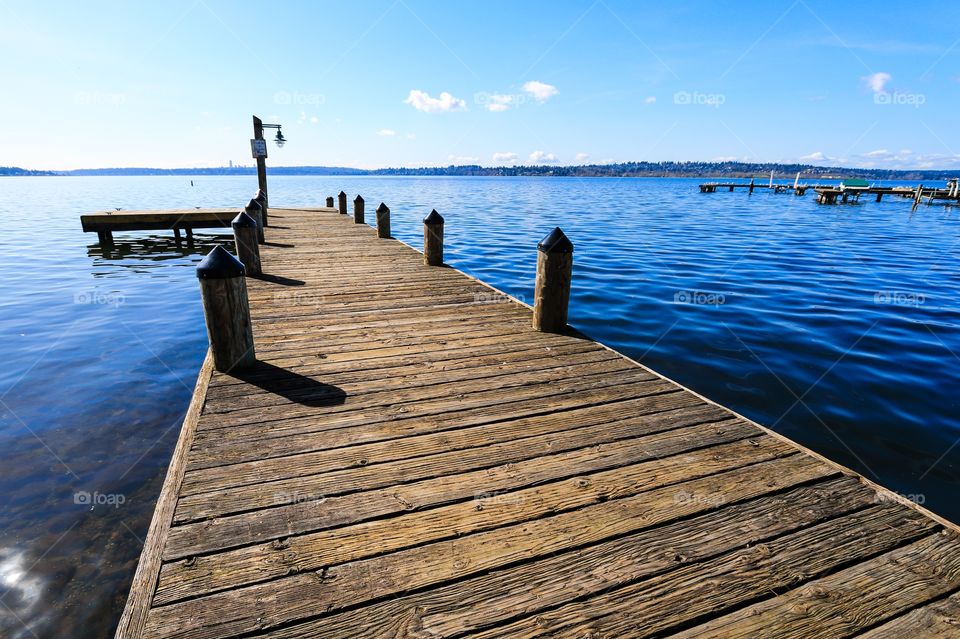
(847, 192)
(410, 458)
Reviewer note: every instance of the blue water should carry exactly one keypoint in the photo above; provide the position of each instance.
(837, 326)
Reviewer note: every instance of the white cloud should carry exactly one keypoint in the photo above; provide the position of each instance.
(411, 136)
(650, 99)
(540, 91)
(542, 157)
(582, 157)
(725, 158)
(608, 161)
(877, 82)
(463, 159)
(816, 156)
(314, 119)
(505, 157)
(421, 101)
(879, 153)
(387, 133)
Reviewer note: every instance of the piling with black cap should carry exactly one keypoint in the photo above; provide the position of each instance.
(261, 197)
(245, 230)
(255, 210)
(330, 202)
(554, 273)
(342, 202)
(383, 221)
(226, 309)
(433, 239)
(358, 210)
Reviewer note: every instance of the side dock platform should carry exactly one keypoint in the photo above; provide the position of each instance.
(410, 459)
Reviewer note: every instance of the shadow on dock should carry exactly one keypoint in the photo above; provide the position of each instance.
(297, 388)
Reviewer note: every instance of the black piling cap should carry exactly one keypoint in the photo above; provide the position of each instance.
(219, 264)
(433, 218)
(243, 221)
(555, 242)
(341, 194)
(358, 199)
(254, 204)
(383, 208)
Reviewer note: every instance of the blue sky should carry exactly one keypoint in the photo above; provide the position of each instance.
(410, 83)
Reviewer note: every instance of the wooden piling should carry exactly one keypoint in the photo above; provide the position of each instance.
(255, 210)
(105, 238)
(554, 273)
(383, 221)
(330, 202)
(261, 197)
(245, 232)
(358, 210)
(342, 202)
(433, 239)
(751, 186)
(226, 310)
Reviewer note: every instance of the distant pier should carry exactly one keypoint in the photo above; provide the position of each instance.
(847, 192)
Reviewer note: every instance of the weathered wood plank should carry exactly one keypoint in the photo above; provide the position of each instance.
(315, 512)
(301, 553)
(850, 600)
(261, 606)
(938, 619)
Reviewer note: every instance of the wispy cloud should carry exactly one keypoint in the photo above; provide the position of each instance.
(500, 102)
(421, 101)
(463, 159)
(582, 157)
(505, 157)
(540, 91)
(877, 82)
(650, 99)
(387, 133)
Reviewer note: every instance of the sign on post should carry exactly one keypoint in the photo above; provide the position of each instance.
(258, 148)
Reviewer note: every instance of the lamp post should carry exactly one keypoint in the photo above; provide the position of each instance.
(258, 147)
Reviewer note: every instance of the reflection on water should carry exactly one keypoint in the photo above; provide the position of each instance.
(837, 326)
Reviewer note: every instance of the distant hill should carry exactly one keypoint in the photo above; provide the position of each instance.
(622, 169)
(16, 170)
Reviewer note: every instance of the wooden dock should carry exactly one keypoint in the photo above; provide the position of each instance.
(104, 223)
(410, 459)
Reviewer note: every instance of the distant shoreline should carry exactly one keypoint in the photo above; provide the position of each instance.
(702, 170)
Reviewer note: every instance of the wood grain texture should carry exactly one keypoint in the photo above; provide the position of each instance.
(410, 459)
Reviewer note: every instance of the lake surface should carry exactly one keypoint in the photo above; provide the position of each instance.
(836, 326)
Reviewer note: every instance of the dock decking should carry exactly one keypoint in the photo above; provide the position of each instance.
(412, 460)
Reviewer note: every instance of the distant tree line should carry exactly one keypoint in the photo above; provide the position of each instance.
(620, 169)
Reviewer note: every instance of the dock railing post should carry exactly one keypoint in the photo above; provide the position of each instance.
(433, 239)
(226, 310)
(551, 296)
(255, 210)
(330, 202)
(358, 210)
(261, 197)
(245, 230)
(342, 203)
(383, 221)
